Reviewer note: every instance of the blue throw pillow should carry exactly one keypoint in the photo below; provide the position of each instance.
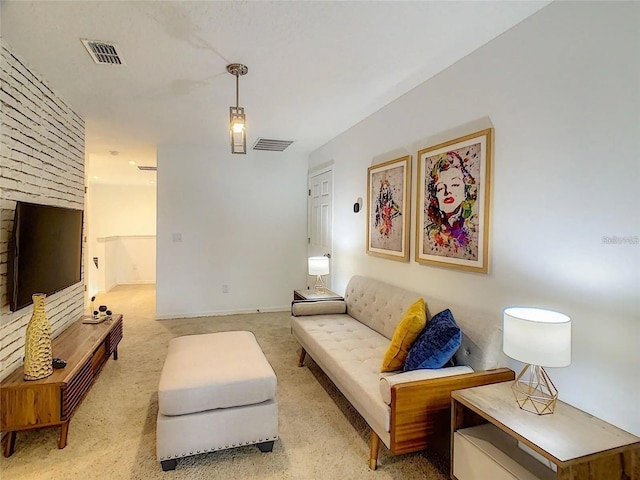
(436, 344)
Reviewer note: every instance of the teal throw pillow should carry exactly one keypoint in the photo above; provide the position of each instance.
(436, 344)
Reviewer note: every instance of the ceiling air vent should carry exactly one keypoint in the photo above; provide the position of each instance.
(103, 53)
(271, 145)
(147, 169)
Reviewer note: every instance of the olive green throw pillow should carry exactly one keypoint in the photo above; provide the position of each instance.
(405, 334)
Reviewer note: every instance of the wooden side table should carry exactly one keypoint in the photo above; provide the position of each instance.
(312, 295)
(574, 444)
(51, 401)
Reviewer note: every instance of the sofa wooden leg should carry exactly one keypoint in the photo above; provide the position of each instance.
(375, 448)
(303, 354)
(168, 465)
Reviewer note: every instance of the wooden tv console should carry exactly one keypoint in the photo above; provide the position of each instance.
(51, 401)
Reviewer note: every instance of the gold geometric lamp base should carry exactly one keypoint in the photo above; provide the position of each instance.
(319, 286)
(536, 394)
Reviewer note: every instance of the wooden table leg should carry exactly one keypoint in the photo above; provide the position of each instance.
(115, 353)
(64, 430)
(9, 442)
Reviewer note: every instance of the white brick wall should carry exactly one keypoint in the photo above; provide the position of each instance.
(41, 161)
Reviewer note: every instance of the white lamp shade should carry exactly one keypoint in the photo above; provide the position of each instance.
(318, 266)
(536, 336)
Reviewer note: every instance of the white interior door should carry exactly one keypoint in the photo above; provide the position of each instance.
(321, 219)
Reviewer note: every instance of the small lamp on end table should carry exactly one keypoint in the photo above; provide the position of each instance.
(539, 338)
(319, 266)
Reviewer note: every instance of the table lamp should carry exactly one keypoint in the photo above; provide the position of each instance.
(319, 266)
(539, 338)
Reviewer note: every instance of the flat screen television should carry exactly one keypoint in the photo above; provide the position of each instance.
(45, 252)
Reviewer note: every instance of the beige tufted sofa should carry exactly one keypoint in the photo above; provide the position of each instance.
(405, 410)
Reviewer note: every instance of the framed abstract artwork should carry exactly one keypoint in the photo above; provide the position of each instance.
(389, 209)
(452, 215)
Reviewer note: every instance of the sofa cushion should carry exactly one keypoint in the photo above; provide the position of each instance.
(376, 304)
(436, 344)
(350, 354)
(406, 332)
(481, 347)
(321, 307)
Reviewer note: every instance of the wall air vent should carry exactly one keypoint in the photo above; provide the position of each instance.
(147, 169)
(271, 145)
(103, 53)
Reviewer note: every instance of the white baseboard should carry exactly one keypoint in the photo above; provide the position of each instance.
(219, 313)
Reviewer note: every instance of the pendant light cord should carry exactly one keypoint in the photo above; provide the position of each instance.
(237, 90)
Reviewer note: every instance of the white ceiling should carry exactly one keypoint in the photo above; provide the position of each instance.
(316, 68)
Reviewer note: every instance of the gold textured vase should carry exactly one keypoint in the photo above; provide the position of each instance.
(37, 344)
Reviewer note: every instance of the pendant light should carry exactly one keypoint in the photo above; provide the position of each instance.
(237, 119)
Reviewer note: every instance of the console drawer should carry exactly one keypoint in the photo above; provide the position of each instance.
(485, 452)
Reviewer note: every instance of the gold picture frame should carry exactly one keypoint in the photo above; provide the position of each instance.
(389, 209)
(453, 196)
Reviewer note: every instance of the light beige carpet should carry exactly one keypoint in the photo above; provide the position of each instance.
(112, 434)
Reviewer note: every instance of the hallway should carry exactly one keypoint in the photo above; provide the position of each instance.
(130, 300)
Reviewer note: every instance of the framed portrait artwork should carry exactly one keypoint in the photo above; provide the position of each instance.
(452, 215)
(389, 209)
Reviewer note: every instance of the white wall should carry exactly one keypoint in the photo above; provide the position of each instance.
(42, 159)
(562, 90)
(124, 260)
(242, 223)
(122, 229)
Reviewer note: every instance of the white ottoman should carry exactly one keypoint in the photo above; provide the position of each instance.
(216, 391)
